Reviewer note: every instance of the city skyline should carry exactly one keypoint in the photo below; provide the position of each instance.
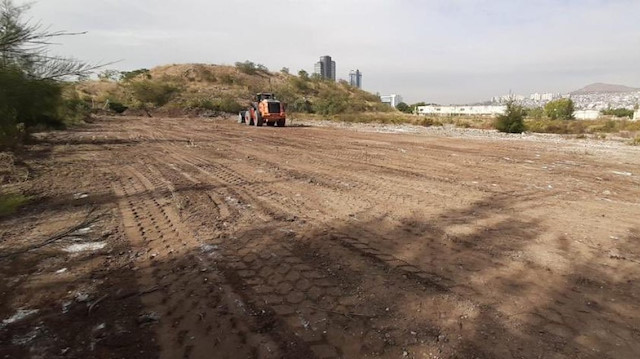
(440, 51)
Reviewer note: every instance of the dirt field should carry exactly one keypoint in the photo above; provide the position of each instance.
(202, 238)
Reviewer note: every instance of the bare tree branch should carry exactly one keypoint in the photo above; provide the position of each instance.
(24, 44)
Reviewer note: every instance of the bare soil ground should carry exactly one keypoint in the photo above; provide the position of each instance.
(199, 238)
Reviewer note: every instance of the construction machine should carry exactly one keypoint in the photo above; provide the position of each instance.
(265, 109)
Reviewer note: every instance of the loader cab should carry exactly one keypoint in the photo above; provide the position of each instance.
(265, 96)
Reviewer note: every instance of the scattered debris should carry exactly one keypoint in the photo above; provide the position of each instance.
(623, 173)
(61, 270)
(82, 297)
(80, 195)
(148, 318)
(26, 338)
(65, 307)
(19, 315)
(84, 230)
(83, 247)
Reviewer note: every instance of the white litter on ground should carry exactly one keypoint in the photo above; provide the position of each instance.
(60, 271)
(83, 247)
(84, 230)
(622, 173)
(20, 314)
(80, 195)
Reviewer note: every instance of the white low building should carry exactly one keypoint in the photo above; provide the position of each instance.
(636, 115)
(586, 114)
(393, 100)
(461, 110)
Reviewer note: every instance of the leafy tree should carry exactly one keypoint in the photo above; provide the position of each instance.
(560, 109)
(512, 121)
(285, 70)
(403, 107)
(303, 75)
(32, 92)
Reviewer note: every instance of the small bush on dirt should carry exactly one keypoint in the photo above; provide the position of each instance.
(536, 112)
(251, 68)
(227, 104)
(117, 107)
(9, 203)
(74, 110)
(428, 122)
(513, 119)
(403, 107)
(302, 106)
(635, 141)
(135, 74)
(227, 79)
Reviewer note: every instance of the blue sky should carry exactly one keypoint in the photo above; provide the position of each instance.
(453, 51)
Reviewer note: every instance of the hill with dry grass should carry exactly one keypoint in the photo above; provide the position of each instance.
(193, 88)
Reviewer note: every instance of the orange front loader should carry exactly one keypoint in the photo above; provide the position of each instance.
(266, 109)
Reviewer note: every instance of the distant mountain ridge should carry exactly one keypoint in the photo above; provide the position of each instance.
(604, 88)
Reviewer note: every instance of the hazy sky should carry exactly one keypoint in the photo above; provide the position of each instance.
(444, 51)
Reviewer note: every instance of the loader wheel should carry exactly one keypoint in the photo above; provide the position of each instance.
(281, 122)
(247, 118)
(259, 119)
(241, 117)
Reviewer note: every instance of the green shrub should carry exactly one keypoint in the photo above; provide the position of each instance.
(513, 119)
(227, 79)
(227, 104)
(30, 101)
(251, 68)
(9, 203)
(74, 110)
(156, 93)
(330, 104)
(302, 105)
(117, 107)
(224, 104)
(135, 74)
(618, 112)
(403, 107)
(536, 112)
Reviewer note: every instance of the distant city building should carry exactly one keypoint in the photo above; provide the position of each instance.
(461, 110)
(393, 100)
(636, 115)
(355, 78)
(533, 100)
(326, 68)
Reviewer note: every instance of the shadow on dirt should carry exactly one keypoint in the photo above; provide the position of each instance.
(350, 288)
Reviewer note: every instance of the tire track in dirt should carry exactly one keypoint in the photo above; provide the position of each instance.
(192, 301)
